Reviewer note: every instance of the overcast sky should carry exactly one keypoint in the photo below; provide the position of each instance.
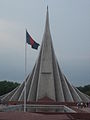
(70, 30)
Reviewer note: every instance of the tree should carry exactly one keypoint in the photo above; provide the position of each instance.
(7, 86)
(85, 89)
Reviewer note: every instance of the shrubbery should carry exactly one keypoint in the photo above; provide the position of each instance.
(7, 86)
(85, 89)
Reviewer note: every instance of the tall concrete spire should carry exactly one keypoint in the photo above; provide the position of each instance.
(46, 79)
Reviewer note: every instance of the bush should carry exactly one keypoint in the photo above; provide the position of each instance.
(85, 89)
(7, 86)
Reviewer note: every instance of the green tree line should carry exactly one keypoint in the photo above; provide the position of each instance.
(85, 89)
(7, 86)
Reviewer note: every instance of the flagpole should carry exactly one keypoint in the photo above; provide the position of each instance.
(25, 77)
(34, 45)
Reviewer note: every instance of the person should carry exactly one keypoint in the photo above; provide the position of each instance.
(87, 104)
(82, 105)
(0, 101)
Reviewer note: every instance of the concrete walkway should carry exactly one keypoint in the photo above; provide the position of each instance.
(31, 116)
(86, 109)
(40, 116)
